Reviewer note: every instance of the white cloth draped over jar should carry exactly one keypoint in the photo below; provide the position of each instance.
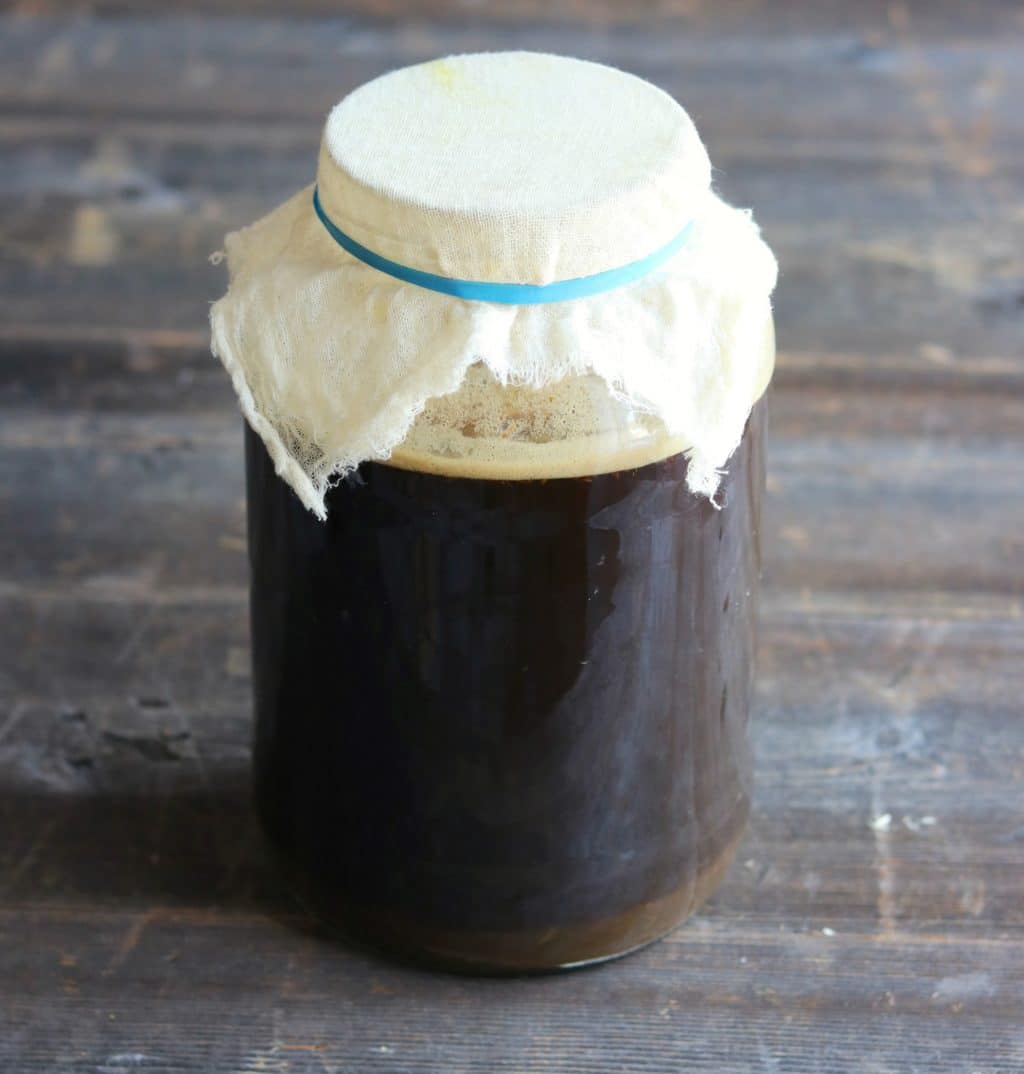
(501, 168)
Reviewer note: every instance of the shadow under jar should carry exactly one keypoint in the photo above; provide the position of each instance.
(501, 721)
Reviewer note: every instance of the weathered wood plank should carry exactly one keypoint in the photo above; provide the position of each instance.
(890, 201)
(722, 1002)
(174, 898)
(945, 17)
(877, 516)
(188, 66)
(142, 736)
(865, 269)
(191, 648)
(141, 926)
(179, 882)
(48, 373)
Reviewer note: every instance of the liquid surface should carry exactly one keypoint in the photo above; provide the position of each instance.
(504, 722)
(573, 428)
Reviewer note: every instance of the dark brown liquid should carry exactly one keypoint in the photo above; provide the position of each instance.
(504, 723)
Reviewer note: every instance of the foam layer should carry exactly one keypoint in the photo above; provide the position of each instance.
(573, 428)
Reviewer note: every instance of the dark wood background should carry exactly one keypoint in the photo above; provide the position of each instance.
(141, 928)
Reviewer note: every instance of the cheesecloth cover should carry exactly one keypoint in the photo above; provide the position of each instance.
(497, 168)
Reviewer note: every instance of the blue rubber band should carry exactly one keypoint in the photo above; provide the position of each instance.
(509, 294)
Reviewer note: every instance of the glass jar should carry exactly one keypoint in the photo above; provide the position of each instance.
(502, 693)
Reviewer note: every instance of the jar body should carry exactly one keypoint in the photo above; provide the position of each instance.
(502, 724)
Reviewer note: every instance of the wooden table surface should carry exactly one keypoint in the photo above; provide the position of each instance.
(874, 920)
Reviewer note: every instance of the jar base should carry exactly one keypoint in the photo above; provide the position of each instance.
(526, 951)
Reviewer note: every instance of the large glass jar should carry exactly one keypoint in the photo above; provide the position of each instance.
(502, 692)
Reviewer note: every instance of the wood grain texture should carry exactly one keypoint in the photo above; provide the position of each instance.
(767, 16)
(141, 926)
(159, 136)
(136, 868)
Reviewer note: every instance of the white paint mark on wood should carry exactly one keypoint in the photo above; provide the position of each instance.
(93, 241)
(965, 986)
(881, 823)
(884, 867)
